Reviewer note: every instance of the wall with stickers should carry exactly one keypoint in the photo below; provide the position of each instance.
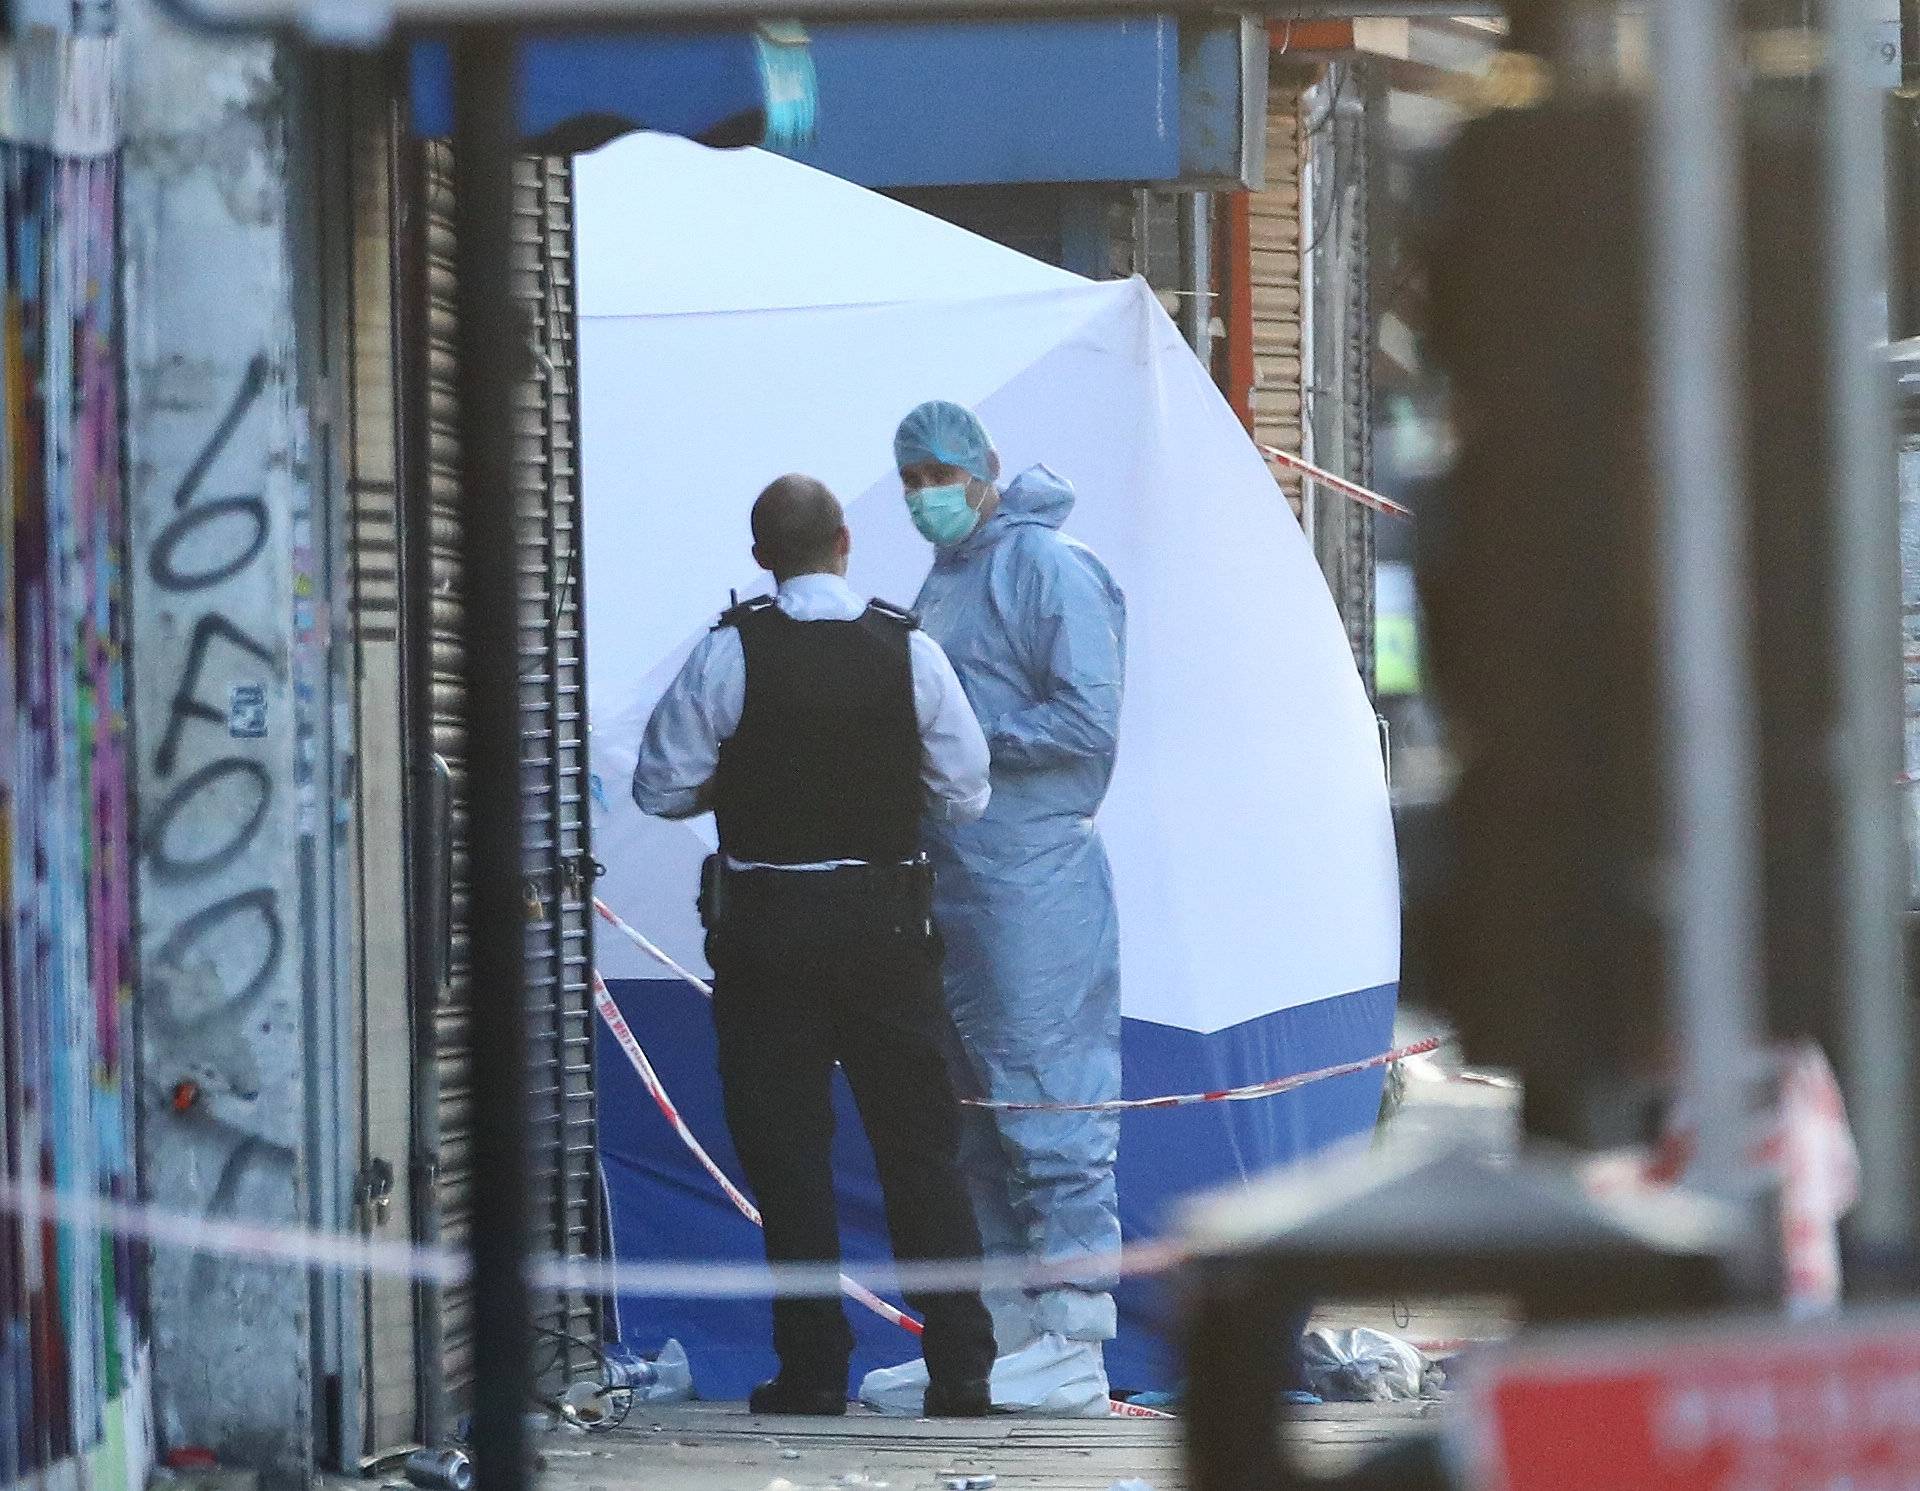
(72, 1360)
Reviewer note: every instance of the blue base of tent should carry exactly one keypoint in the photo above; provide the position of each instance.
(663, 1206)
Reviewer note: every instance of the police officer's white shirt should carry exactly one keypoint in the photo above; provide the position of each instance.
(702, 707)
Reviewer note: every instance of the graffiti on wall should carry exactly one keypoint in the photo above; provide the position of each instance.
(70, 1302)
(218, 774)
(218, 941)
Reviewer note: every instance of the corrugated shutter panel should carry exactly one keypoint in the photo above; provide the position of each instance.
(1274, 254)
(547, 497)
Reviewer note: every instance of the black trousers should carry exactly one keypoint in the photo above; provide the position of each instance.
(810, 968)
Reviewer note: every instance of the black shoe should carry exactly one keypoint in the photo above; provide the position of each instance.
(959, 1400)
(777, 1396)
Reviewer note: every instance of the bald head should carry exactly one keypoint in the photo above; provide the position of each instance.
(799, 529)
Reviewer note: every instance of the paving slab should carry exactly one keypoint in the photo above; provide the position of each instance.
(722, 1447)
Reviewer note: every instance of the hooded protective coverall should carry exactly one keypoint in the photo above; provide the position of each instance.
(1036, 629)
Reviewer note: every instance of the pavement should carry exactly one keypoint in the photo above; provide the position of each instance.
(722, 1447)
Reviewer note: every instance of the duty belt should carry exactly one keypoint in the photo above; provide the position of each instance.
(720, 882)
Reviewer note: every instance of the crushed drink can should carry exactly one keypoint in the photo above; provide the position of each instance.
(440, 1470)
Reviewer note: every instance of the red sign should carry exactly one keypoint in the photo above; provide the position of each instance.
(1766, 1407)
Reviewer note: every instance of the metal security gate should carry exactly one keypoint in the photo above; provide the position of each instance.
(553, 735)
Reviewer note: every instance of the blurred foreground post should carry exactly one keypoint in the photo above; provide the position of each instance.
(492, 343)
(1711, 890)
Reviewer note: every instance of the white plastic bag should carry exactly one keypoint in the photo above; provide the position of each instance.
(1360, 1365)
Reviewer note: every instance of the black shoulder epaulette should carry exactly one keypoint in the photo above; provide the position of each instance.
(740, 610)
(892, 612)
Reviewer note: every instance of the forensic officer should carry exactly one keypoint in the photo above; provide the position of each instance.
(1036, 630)
(820, 728)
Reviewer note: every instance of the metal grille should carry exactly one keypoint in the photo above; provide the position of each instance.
(1354, 583)
(553, 736)
(1340, 407)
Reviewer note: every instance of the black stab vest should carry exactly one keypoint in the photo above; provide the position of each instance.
(826, 761)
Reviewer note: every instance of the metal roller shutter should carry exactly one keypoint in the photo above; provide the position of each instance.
(389, 1411)
(553, 733)
(1274, 255)
(554, 737)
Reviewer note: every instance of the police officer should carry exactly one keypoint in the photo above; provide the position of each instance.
(819, 728)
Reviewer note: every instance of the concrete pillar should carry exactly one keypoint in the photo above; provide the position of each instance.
(229, 636)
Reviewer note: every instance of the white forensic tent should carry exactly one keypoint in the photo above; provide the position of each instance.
(744, 316)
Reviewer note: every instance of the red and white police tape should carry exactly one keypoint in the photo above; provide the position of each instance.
(636, 1055)
(1269, 1088)
(649, 947)
(1804, 1145)
(1349, 489)
(1272, 1087)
